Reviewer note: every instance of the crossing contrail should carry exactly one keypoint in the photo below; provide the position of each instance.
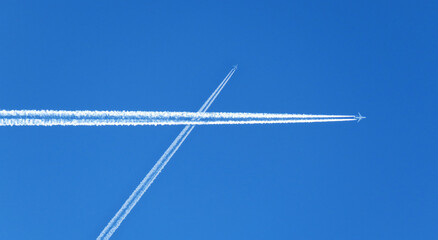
(115, 222)
(144, 118)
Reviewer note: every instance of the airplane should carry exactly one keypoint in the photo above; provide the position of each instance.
(360, 117)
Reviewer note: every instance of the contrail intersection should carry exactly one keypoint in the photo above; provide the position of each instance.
(147, 118)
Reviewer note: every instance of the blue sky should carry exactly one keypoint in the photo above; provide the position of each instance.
(373, 180)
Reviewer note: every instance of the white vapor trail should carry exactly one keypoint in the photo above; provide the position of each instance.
(83, 114)
(144, 118)
(130, 122)
(121, 118)
(115, 222)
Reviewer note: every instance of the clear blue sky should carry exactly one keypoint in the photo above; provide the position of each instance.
(373, 180)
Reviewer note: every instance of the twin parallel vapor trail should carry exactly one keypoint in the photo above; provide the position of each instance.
(137, 118)
(135, 196)
(142, 118)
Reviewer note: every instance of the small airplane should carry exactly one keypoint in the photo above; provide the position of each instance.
(360, 117)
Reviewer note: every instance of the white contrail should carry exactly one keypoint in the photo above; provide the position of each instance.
(159, 165)
(142, 118)
(137, 118)
(130, 122)
(84, 114)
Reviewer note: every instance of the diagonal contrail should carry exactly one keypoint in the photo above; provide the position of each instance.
(115, 222)
(143, 118)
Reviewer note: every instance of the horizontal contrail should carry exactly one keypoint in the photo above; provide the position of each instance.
(150, 114)
(161, 122)
(144, 118)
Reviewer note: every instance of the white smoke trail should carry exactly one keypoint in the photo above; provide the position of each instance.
(115, 222)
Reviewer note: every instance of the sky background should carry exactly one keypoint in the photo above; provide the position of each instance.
(373, 180)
